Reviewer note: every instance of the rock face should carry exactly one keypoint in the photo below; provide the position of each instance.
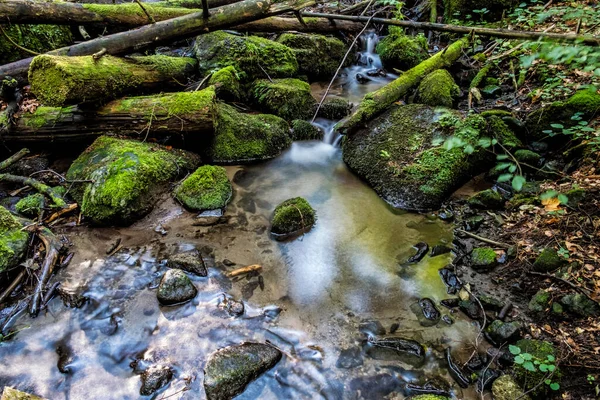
(228, 371)
(208, 188)
(127, 175)
(218, 50)
(318, 56)
(438, 89)
(505, 388)
(287, 98)
(395, 156)
(190, 261)
(292, 216)
(243, 138)
(175, 287)
(155, 377)
(13, 241)
(403, 52)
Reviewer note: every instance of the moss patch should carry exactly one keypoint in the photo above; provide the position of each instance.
(206, 189)
(13, 241)
(335, 108)
(304, 130)
(548, 261)
(293, 215)
(38, 38)
(527, 157)
(483, 257)
(527, 379)
(487, 199)
(540, 302)
(31, 206)
(287, 98)
(580, 305)
(227, 84)
(401, 51)
(438, 89)
(250, 55)
(126, 177)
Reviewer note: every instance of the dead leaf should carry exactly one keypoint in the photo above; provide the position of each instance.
(551, 204)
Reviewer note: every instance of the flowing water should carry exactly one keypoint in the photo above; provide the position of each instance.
(312, 299)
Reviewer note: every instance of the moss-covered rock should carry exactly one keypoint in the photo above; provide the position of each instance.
(527, 157)
(540, 301)
(31, 206)
(227, 84)
(487, 199)
(13, 241)
(501, 332)
(292, 216)
(483, 258)
(304, 130)
(586, 102)
(505, 388)
(126, 177)
(14, 394)
(548, 261)
(395, 155)
(247, 137)
(175, 287)
(287, 98)
(428, 397)
(400, 51)
(580, 305)
(335, 108)
(499, 129)
(318, 56)
(38, 38)
(540, 350)
(250, 55)
(438, 89)
(461, 8)
(208, 188)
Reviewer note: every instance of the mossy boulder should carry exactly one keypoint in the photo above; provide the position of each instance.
(483, 258)
(242, 138)
(529, 380)
(304, 130)
(175, 287)
(487, 199)
(13, 394)
(461, 8)
(548, 261)
(580, 305)
(287, 98)
(505, 388)
(13, 241)
(402, 52)
(586, 102)
(438, 89)
(501, 332)
(125, 176)
(38, 38)
(318, 56)
(227, 84)
(250, 55)
(208, 188)
(335, 108)
(528, 157)
(31, 206)
(540, 301)
(291, 217)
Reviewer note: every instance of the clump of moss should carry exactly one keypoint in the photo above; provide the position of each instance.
(208, 188)
(438, 89)
(292, 216)
(548, 261)
(31, 206)
(335, 108)
(38, 38)
(251, 56)
(521, 199)
(500, 130)
(227, 84)
(527, 157)
(247, 137)
(483, 258)
(13, 241)
(400, 51)
(304, 130)
(540, 301)
(287, 98)
(318, 56)
(529, 380)
(125, 177)
(487, 199)
(428, 397)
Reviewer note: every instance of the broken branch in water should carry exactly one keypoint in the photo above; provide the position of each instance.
(244, 270)
(53, 246)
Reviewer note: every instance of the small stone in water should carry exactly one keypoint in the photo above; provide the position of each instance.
(439, 250)
(350, 358)
(447, 320)
(175, 287)
(394, 327)
(232, 307)
(154, 378)
(228, 263)
(190, 261)
(422, 249)
(360, 78)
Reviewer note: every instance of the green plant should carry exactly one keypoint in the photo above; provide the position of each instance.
(384, 154)
(563, 252)
(530, 363)
(591, 379)
(481, 12)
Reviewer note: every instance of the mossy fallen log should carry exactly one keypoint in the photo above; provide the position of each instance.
(59, 80)
(377, 101)
(179, 113)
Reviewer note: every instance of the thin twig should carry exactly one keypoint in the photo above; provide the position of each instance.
(13, 159)
(12, 286)
(202, 82)
(485, 240)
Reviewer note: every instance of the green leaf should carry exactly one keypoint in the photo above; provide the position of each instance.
(554, 386)
(485, 142)
(550, 358)
(517, 183)
(494, 142)
(512, 168)
(504, 178)
(557, 126)
(501, 157)
(548, 195)
(551, 368)
(514, 350)
(469, 149)
(548, 381)
(527, 356)
(528, 365)
(519, 360)
(563, 198)
(544, 367)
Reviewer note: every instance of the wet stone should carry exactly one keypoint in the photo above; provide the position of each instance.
(473, 223)
(471, 308)
(447, 319)
(229, 370)
(450, 303)
(446, 215)
(439, 250)
(486, 379)
(233, 307)
(450, 279)
(360, 78)
(155, 377)
(430, 315)
(476, 362)
(503, 332)
(371, 328)
(190, 261)
(175, 287)
(350, 358)
(396, 348)
(422, 249)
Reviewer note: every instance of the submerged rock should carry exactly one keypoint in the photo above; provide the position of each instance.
(175, 287)
(304, 130)
(548, 261)
(396, 348)
(438, 89)
(155, 377)
(287, 98)
(450, 279)
(125, 176)
(293, 216)
(219, 49)
(395, 155)
(13, 241)
(318, 56)
(229, 370)
(439, 249)
(243, 137)
(190, 261)
(428, 314)
(422, 249)
(208, 188)
(505, 388)
(401, 51)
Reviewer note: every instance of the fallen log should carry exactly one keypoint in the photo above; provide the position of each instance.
(374, 103)
(493, 32)
(139, 117)
(281, 24)
(59, 80)
(167, 31)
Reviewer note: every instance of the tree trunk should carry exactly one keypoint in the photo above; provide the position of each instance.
(374, 103)
(59, 80)
(172, 29)
(139, 117)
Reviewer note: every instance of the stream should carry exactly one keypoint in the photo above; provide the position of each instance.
(318, 298)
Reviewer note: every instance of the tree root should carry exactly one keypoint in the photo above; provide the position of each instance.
(53, 246)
